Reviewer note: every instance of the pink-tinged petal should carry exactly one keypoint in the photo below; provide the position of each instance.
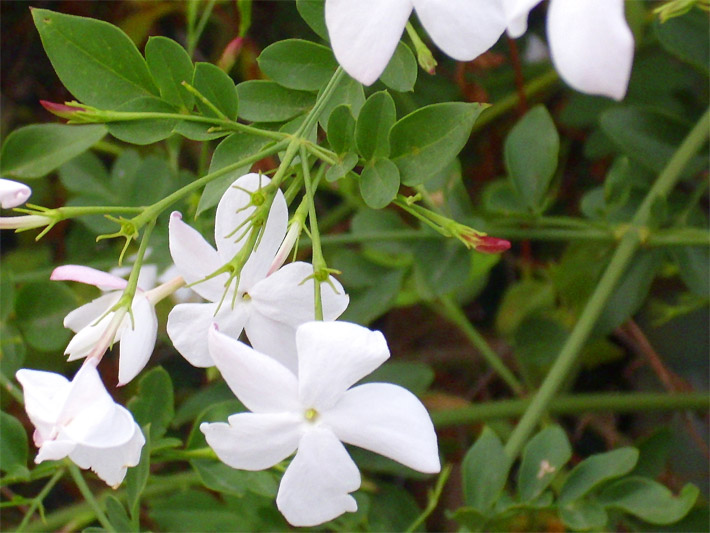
(137, 339)
(86, 338)
(45, 394)
(463, 29)
(111, 463)
(389, 420)
(195, 259)
(317, 484)
(365, 33)
(332, 356)
(261, 384)
(516, 15)
(287, 295)
(54, 450)
(254, 441)
(591, 45)
(232, 212)
(88, 275)
(188, 325)
(275, 339)
(90, 313)
(13, 193)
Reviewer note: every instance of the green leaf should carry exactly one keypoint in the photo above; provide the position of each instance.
(341, 129)
(7, 293)
(86, 174)
(543, 457)
(146, 131)
(41, 308)
(648, 500)
(298, 64)
(232, 149)
(415, 377)
(170, 65)
(524, 298)
(218, 88)
(36, 150)
(394, 509)
(441, 267)
(154, 402)
(313, 12)
(116, 514)
(349, 92)
(13, 446)
(222, 478)
(584, 515)
(693, 265)
(425, 141)
(538, 340)
(379, 183)
(654, 451)
(96, 61)
(485, 470)
(373, 126)
(500, 197)
(267, 101)
(597, 469)
(12, 350)
(342, 167)
(401, 72)
(531, 151)
(686, 37)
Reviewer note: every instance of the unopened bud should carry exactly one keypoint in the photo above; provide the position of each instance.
(62, 110)
(230, 54)
(13, 193)
(25, 222)
(491, 245)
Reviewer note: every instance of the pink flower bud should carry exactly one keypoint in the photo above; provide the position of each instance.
(492, 245)
(61, 110)
(230, 54)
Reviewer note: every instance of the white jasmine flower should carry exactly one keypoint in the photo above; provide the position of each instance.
(313, 413)
(79, 419)
(13, 193)
(365, 33)
(137, 330)
(267, 306)
(591, 44)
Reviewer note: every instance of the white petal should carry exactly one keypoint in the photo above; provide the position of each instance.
(54, 450)
(188, 325)
(88, 275)
(195, 259)
(332, 356)
(86, 338)
(137, 339)
(262, 384)
(463, 29)
(89, 313)
(232, 212)
(287, 295)
(254, 441)
(516, 14)
(317, 483)
(365, 33)
(591, 45)
(389, 420)
(110, 464)
(147, 277)
(275, 339)
(45, 394)
(13, 193)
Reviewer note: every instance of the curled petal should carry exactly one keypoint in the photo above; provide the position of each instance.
(365, 33)
(87, 338)
(54, 450)
(89, 313)
(317, 484)
(332, 356)
(463, 29)
(275, 339)
(591, 45)
(389, 420)
(188, 325)
(137, 339)
(45, 394)
(88, 275)
(516, 14)
(262, 384)
(13, 193)
(254, 441)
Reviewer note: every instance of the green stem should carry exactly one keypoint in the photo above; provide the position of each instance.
(575, 404)
(320, 104)
(433, 500)
(194, 32)
(452, 312)
(319, 264)
(40, 498)
(89, 497)
(567, 357)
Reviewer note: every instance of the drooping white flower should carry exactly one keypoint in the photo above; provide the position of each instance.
(365, 33)
(137, 330)
(267, 306)
(13, 193)
(314, 413)
(591, 44)
(79, 419)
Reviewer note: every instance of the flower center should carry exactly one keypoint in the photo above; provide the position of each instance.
(311, 415)
(246, 297)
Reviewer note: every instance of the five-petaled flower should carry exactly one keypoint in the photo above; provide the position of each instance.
(267, 306)
(313, 413)
(13, 193)
(79, 419)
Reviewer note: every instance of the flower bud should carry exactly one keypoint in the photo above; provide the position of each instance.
(25, 222)
(230, 54)
(491, 245)
(13, 193)
(62, 110)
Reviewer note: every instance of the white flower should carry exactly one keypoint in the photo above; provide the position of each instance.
(267, 307)
(136, 330)
(13, 193)
(314, 413)
(79, 419)
(591, 44)
(365, 33)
